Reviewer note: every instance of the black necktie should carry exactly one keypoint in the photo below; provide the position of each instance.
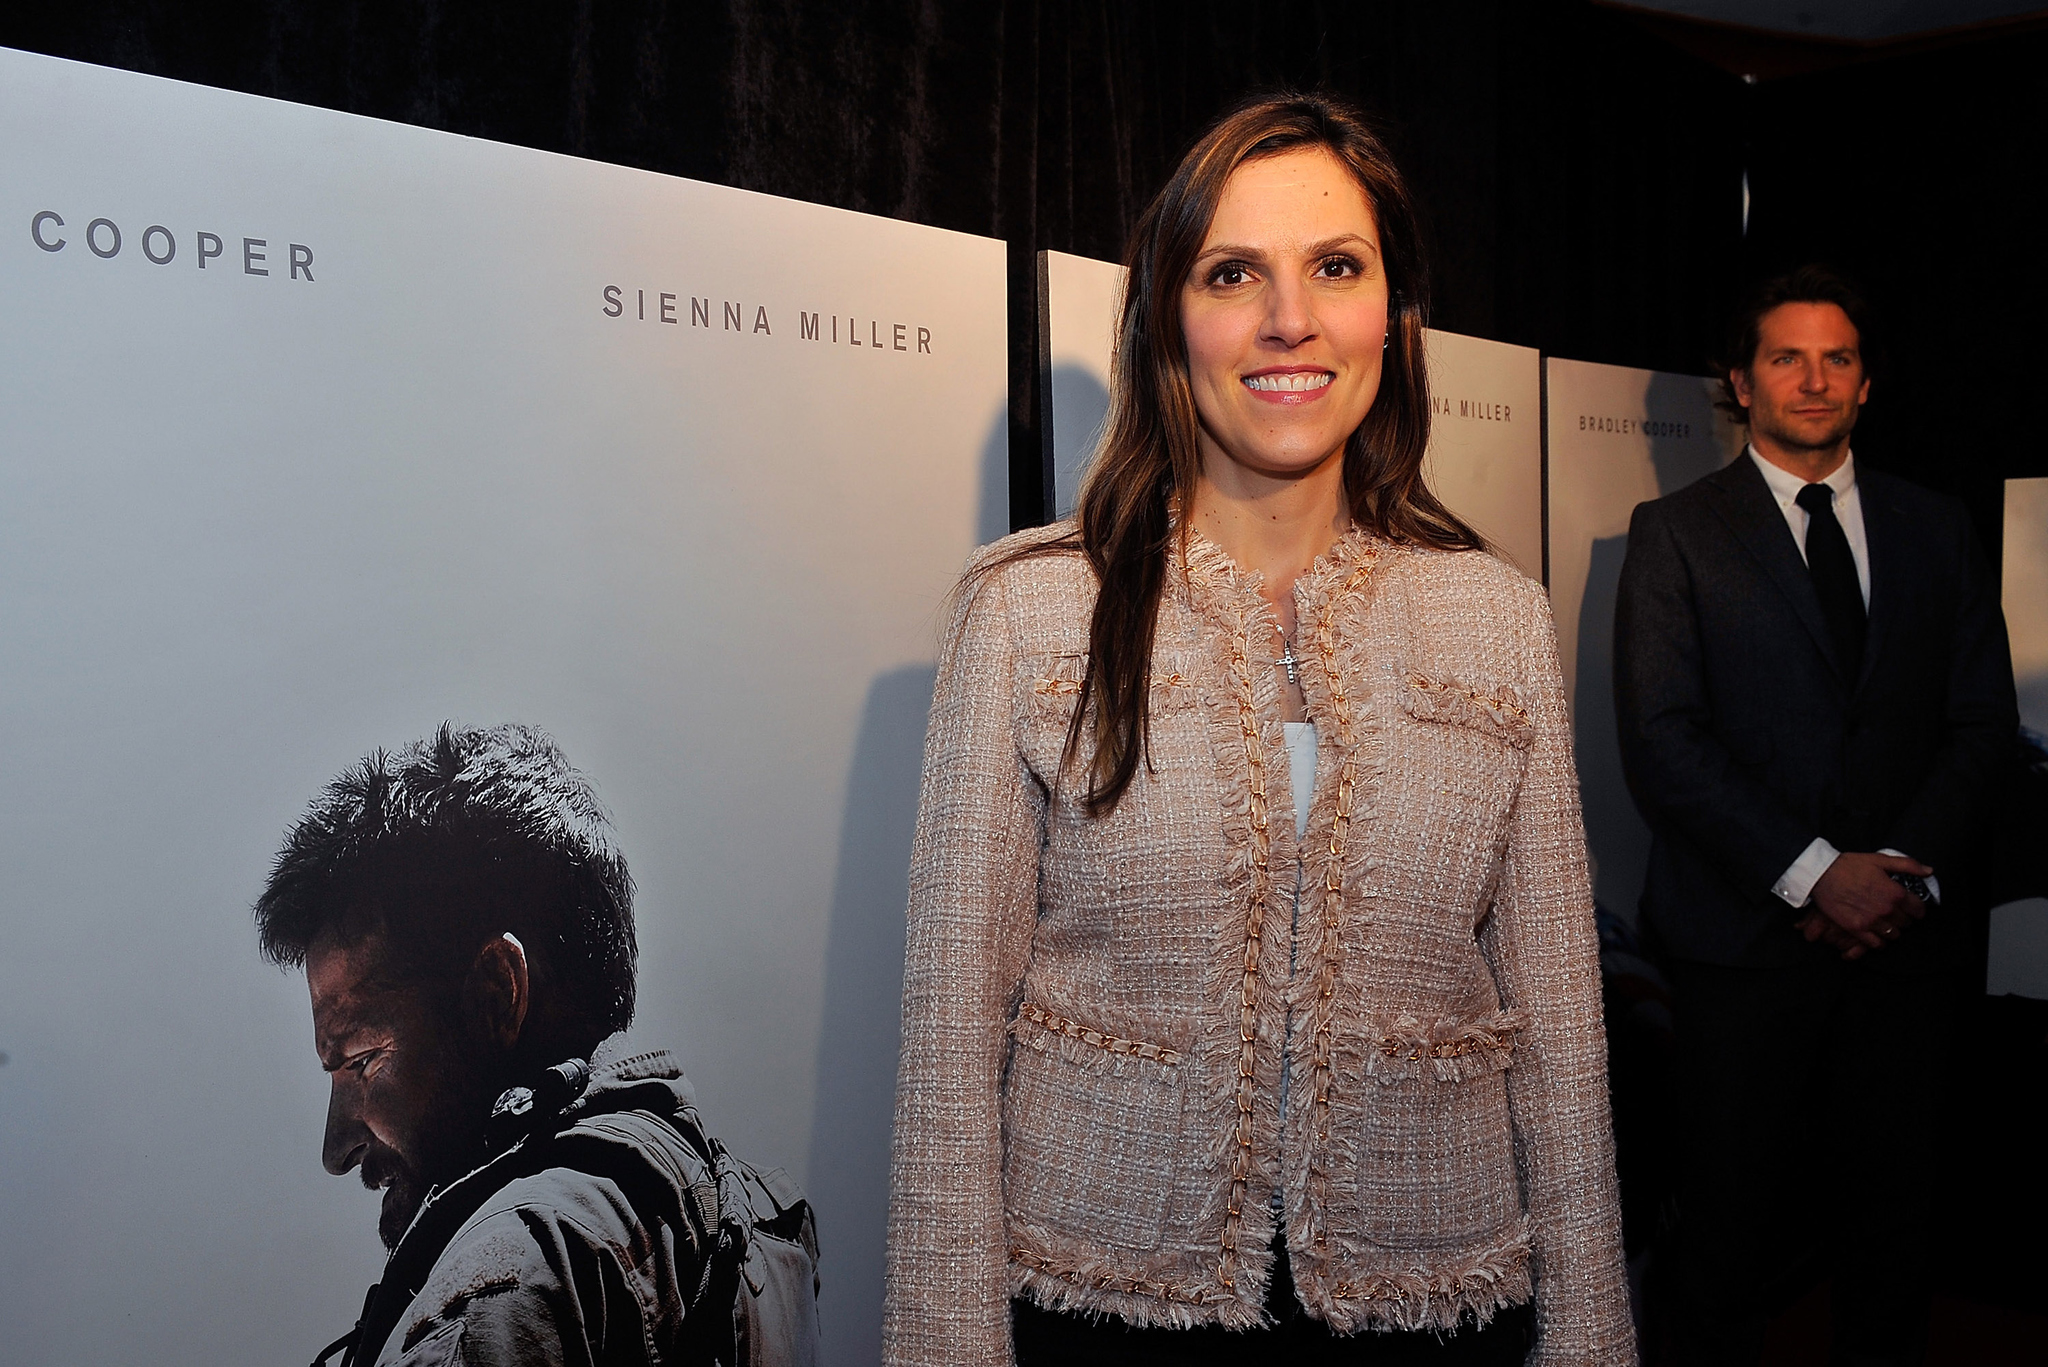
(1834, 577)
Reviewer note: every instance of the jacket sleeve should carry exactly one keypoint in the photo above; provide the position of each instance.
(1946, 813)
(1678, 770)
(973, 904)
(1544, 950)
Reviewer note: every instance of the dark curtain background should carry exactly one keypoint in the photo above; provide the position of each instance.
(1582, 179)
(1924, 177)
(1581, 175)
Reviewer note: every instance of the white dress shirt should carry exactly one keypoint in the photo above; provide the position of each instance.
(1301, 770)
(1795, 885)
(1785, 487)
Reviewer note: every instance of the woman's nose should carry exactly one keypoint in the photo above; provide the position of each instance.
(1290, 317)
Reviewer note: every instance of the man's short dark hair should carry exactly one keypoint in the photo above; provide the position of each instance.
(1811, 284)
(450, 842)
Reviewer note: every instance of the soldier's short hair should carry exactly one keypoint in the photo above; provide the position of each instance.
(451, 841)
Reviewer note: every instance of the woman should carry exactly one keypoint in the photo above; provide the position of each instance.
(1251, 998)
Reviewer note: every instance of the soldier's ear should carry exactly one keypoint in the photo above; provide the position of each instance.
(499, 990)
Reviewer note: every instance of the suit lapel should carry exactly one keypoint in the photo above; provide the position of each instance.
(1885, 533)
(1750, 511)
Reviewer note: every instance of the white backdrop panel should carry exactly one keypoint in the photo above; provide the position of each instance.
(254, 525)
(2025, 595)
(1618, 436)
(1486, 440)
(1079, 302)
(1486, 449)
(2019, 930)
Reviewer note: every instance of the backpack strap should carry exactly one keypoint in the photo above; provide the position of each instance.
(685, 1182)
(701, 1167)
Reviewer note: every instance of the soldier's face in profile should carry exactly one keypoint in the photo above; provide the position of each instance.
(404, 1107)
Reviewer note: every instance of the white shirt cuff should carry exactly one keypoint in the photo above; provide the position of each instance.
(1795, 886)
(1933, 883)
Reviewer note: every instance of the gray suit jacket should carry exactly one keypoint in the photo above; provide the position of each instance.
(1743, 738)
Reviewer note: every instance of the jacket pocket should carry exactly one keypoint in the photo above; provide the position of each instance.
(1055, 682)
(1090, 1126)
(1496, 710)
(1054, 690)
(1056, 685)
(1456, 764)
(1434, 1155)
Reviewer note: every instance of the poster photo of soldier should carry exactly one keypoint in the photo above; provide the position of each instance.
(464, 920)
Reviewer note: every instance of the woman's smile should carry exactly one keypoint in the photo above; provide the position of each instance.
(1290, 385)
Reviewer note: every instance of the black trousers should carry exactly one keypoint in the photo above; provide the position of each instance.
(1812, 1095)
(1048, 1338)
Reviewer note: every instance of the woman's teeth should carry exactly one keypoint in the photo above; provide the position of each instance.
(1310, 380)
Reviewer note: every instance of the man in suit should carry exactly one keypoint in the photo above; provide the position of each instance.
(1814, 692)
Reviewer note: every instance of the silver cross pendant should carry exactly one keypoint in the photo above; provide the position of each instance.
(1288, 662)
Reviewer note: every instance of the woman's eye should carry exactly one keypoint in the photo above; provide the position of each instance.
(1337, 268)
(1229, 273)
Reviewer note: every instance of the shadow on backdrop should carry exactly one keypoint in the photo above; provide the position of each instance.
(860, 1025)
(1080, 405)
(992, 510)
(1615, 833)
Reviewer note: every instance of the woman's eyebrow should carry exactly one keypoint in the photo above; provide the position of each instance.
(1322, 248)
(1341, 241)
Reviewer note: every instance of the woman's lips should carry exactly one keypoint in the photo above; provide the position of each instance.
(1288, 386)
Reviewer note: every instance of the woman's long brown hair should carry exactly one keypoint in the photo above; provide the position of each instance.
(1149, 454)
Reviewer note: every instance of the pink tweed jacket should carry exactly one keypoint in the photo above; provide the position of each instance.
(1095, 1010)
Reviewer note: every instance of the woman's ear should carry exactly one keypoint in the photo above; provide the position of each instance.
(498, 992)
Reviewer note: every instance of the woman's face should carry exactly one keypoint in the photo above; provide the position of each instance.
(1285, 315)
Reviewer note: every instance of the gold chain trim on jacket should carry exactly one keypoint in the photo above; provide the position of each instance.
(1393, 1046)
(1492, 702)
(1378, 1291)
(1062, 687)
(1113, 1281)
(1254, 934)
(1333, 872)
(1074, 1030)
(1390, 1288)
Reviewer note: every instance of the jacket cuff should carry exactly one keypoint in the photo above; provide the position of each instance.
(1795, 886)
